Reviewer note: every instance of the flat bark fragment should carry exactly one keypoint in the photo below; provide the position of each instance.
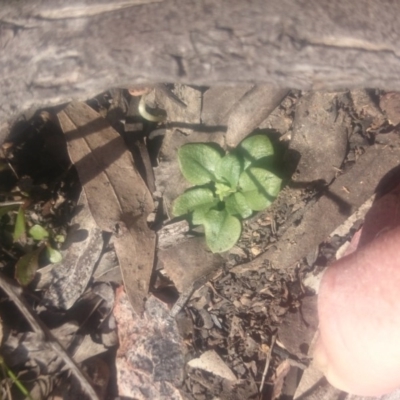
(50, 56)
(319, 137)
(252, 109)
(188, 261)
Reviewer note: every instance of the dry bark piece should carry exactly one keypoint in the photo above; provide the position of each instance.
(366, 109)
(88, 349)
(188, 261)
(280, 374)
(172, 234)
(390, 104)
(280, 120)
(298, 328)
(251, 110)
(118, 198)
(320, 134)
(218, 102)
(108, 269)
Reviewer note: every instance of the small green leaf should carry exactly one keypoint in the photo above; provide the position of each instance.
(260, 187)
(192, 199)
(255, 148)
(222, 190)
(53, 254)
(236, 204)
(228, 170)
(38, 232)
(198, 162)
(198, 215)
(59, 238)
(20, 225)
(27, 266)
(222, 230)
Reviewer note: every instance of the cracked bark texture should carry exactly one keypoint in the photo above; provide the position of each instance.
(52, 52)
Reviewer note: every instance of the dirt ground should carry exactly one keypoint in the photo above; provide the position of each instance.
(141, 307)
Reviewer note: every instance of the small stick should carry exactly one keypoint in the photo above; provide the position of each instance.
(15, 294)
(11, 203)
(267, 362)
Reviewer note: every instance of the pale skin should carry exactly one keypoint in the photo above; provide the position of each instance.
(359, 309)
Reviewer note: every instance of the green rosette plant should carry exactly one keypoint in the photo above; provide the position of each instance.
(228, 187)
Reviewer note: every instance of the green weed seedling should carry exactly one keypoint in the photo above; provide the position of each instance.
(8, 373)
(43, 240)
(229, 187)
(28, 264)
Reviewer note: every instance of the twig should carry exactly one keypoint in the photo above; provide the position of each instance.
(11, 203)
(267, 362)
(12, 169)
(211, 286)
(15, 294)
(187, 294)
